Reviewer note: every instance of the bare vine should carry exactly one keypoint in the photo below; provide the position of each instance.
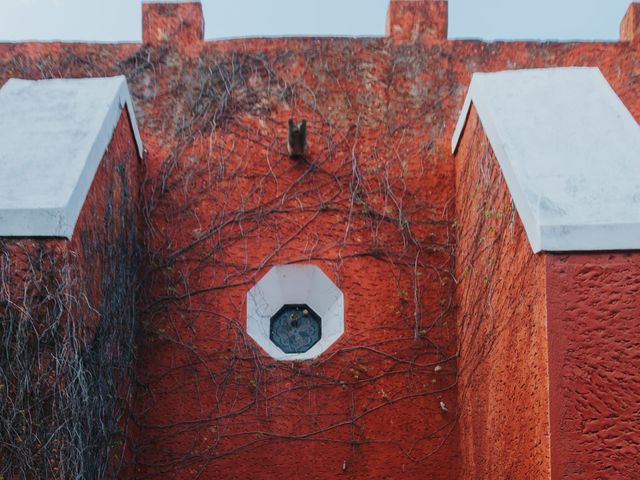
(221, 204)
(230, 183)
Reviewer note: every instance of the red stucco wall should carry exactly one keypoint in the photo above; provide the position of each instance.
(374, 207)
(107, 221)
(67, 330)
(109, 217)
(410, 21)
(630, 25)
(172, 23)
(502, 324)
(366, 207)
(594, 364)
(584, 306)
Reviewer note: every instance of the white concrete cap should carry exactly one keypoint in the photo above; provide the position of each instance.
(295, 285)
(570, 154)
(53, 135)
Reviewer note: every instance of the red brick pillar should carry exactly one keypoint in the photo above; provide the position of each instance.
(176, 22)
(417, 21)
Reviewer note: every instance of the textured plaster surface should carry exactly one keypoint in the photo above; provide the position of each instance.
(53, 135)
(410, 21)
(172, 22)
(568, 148)
(503, 393)
(108, 220)
(205, 390)
(630, 25)
(594, 364)
(113, 194)
(97, 282)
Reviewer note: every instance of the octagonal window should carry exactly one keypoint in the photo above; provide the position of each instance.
(295, 328)
(295, 312)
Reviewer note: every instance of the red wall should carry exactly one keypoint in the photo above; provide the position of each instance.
(630, 25)
(107, 222)
(575, 418)
(367, 208)
(410, 21)
(222, 202)
(109, 213)
(68, 320)
(502, 324)
(172, 23)
(594, 364)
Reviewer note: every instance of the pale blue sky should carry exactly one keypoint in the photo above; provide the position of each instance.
(119, 20)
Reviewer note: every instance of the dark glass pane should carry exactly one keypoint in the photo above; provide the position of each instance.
(295, 328)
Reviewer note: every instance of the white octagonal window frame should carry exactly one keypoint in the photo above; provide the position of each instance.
(295, 285)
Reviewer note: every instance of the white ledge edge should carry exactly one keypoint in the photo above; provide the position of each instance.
(61, 221)
(551, 238)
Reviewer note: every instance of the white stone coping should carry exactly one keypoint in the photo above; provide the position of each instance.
(295, 284)
(53, 135)
(570, 153)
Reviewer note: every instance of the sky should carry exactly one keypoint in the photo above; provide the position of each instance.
(119, 20)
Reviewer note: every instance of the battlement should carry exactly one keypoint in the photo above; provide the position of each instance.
(172, 21)
(411, 21)
(630, 25)
(407, 21)
(381, 308)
